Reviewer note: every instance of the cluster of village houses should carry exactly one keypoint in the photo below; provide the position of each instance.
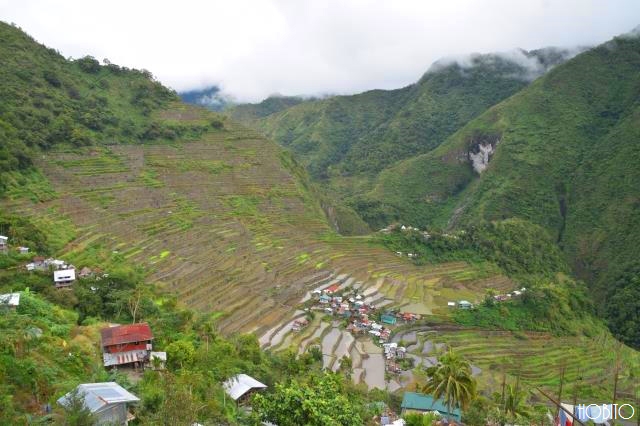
(64, 274)
(348, 305)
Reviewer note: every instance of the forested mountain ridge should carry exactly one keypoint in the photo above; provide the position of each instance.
(346, 141)
(562, 153)
(368, 131)
(46, 101)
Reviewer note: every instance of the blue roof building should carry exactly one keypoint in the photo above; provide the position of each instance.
(388, 319)
(418, 402)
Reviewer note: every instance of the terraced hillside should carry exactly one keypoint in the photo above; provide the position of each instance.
(224, 221)
(223, 218)
(538, 359)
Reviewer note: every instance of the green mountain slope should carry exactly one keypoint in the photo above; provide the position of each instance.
(46, 100)
(566, 151)
(366, 132)
(205, 207)
(345, 141)
(271, 105)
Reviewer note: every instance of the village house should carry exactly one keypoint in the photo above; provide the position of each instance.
(57, 264)
(409, 317)
(388, 318)
(23, 250)
(106, 401)
(241, 386)
(10, 300)
(324, 299)
(37, 263)
(126, 345)
(299, 324)
(413, 402)
(3, 242)
(463, 304)
(332, 289)
(64, 277)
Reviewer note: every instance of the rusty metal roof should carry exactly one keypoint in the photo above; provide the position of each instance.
(126, 334)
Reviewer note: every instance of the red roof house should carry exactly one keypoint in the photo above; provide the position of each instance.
(332, 288)
(125, 344)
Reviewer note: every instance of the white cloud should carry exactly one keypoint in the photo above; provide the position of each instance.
(256, 48)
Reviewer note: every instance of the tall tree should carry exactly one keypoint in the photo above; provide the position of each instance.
(451, 380)
(322, 400)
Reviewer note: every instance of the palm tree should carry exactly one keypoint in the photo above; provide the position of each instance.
(515, 403)
(511, 404)
(452, 381)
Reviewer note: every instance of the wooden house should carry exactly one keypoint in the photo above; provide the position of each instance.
(126, 344)
(64, 277)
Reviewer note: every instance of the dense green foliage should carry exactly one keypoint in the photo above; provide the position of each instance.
(525, 252)
(40, 357)
(519, 248)
(559, 306)
(623, 305)
(321, 400)
(566, 156)
(46, 101)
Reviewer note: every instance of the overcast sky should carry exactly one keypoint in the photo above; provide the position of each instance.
(256, 48)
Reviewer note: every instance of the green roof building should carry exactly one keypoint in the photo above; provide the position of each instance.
(388, 319)
(418, 402)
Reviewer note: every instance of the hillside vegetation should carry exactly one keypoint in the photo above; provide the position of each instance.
(566, 149)
(46, 101)
(345, 141)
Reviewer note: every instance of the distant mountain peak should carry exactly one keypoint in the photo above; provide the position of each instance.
(515, 63)
(210, 97)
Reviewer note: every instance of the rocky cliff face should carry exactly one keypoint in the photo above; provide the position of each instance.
(480, 159)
